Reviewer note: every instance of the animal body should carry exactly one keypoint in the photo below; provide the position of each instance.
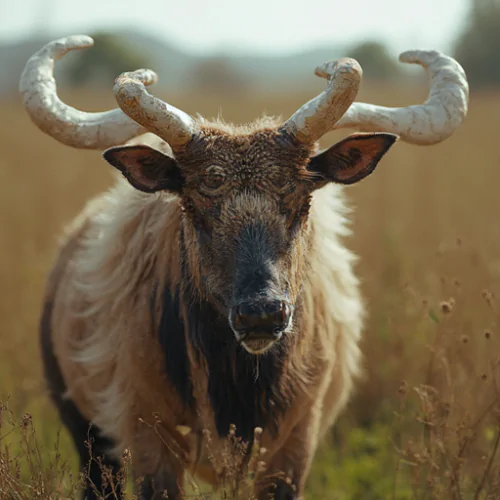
(210, 287)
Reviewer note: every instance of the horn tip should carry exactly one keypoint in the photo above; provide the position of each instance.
(82, 40)
(145, 76)
(150, 77)
(60, 47)
(417, 56)
(345, 65)
(72, 42)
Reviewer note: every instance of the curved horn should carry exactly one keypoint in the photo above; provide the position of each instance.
(66, 124)
(166, 121)
(424, 124)
(319, 115)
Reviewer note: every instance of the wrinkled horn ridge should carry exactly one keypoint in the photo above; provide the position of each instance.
(80, 129)
(319, 115)
(423, 124)
(66, 124)
(166, 121)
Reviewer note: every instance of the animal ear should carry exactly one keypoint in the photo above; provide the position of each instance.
(351, 159)
(146, 168)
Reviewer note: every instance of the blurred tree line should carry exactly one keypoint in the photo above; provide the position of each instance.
(375, 60)
(477, 48)
(111, 56)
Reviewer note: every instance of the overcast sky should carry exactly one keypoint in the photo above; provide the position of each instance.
(268, 26)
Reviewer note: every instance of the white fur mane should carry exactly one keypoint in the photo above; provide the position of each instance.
(122, 255)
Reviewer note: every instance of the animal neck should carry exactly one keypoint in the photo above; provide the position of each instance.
(242, 389)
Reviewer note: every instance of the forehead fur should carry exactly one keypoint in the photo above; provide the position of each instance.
(261, 124)
(260, 142)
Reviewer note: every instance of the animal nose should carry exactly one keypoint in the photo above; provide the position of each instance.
(260, 319)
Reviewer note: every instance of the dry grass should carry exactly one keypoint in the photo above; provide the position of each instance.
(425, 422)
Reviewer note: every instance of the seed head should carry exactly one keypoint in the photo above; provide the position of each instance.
(447, 306)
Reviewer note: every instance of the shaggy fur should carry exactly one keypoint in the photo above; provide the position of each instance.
(143, 352)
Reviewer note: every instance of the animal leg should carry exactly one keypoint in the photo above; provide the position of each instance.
(287, 471)
(101, 471)
(167, 482)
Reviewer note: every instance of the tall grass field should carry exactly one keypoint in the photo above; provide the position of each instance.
(424, 422)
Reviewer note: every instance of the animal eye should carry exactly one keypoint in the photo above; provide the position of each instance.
(214, 178)
(279, 180)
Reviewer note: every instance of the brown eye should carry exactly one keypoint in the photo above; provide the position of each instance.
(214, 178)
(279, 181)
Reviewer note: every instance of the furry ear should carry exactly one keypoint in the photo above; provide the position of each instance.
(351, 159)
(146, 168)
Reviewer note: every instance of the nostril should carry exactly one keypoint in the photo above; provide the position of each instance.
(270, 316)
(285, 312)
(283, 315)
(239, 319)
(247, 316)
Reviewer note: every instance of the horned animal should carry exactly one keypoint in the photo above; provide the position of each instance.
(209, 291)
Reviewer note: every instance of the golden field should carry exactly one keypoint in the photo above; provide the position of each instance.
(425, 421)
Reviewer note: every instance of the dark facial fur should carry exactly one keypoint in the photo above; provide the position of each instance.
(245, 195)
(246, 200)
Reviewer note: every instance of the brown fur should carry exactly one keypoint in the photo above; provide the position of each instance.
(129, 248)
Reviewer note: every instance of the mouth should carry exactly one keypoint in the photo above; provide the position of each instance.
(259, 345)
(257, 326)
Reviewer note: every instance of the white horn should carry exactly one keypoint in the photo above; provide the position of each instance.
(66, 124)
(424, 124)
(319, 115)
(80, 129)
(166, 121)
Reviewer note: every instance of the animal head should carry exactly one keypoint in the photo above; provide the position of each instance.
(246, 191)
(246, 198)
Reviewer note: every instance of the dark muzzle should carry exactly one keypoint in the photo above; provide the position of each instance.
(265, 320)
